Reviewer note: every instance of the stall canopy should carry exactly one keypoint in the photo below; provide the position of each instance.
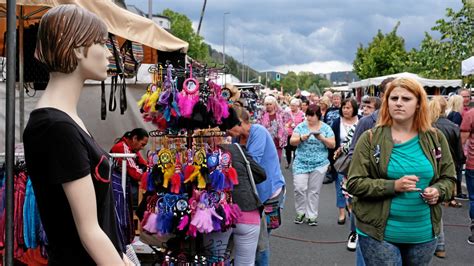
(119, 21)
(467, 66)
(425, 82)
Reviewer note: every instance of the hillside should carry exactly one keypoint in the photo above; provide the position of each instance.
(235, 67)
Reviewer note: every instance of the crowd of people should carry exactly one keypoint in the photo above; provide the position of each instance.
(395, 180)
(407, 157)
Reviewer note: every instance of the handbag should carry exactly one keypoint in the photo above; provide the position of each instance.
(249, 171)
(271, 206)
(342, 163)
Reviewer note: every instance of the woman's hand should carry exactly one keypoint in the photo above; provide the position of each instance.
(337, 153)
(304, 137)
(430, 195)
(406, 184)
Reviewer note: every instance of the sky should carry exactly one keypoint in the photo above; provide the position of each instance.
(320, 36)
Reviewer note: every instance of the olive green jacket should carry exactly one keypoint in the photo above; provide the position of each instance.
(373, 191)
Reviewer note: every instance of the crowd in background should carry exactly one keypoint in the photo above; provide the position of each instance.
(314, 131)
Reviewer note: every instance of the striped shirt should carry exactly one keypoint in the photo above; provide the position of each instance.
(409, 219)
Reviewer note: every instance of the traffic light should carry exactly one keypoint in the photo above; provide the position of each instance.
(277, 77)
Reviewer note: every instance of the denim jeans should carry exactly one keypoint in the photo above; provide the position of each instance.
(359, 257)
(340, 199)
(441, 242)
(470, 190)
(263, 256)
(384, 253)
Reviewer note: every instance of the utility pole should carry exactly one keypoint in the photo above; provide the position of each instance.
(202, 15)
(150, 9)
(243, 62)
(223, 50)
(266, 79)
(223, 46)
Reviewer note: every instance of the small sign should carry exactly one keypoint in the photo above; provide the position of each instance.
(277, 77)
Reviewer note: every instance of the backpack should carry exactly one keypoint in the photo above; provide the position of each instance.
(114, 69)
(132, 57)
(116, 64)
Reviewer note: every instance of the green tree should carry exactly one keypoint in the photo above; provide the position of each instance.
(442, 58)
(385, 55)
(181, 27)
(304, 81)
(290, 82)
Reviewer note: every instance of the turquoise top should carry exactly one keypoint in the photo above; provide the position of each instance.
(409, 220)
(312, 153)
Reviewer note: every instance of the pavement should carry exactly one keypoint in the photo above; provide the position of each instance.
(325, 244)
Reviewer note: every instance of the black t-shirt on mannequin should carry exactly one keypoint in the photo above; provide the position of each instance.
(58, 151)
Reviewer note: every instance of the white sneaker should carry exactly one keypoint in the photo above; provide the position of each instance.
(352, 241)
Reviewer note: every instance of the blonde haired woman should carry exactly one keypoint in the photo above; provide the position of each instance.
(274, 120)
(324, 104)
(437, 108)
(454, 109)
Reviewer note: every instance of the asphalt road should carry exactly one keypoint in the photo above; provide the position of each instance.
(325, 244)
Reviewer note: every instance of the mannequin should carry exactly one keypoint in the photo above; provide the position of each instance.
(68, 169)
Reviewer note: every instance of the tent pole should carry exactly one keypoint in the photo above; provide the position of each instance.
(10, 129)
(21, 71)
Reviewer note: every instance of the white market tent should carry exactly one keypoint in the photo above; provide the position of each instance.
(467, 66)
(425, 82)
(339, 88)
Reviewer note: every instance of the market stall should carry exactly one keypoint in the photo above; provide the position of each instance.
(433, 86)
(467, 66)
(120, 22)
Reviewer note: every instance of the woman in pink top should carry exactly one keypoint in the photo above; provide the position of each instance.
(274, 120)
(297, 116)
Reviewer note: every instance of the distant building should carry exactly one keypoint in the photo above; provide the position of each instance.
(160, 20)
(341, 78)
(272, 75)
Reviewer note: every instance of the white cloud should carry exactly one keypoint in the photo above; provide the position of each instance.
(316, 67)
(298, 33)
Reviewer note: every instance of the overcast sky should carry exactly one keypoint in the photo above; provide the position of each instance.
(304, 35)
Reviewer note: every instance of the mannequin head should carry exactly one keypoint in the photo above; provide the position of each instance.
(70, 37)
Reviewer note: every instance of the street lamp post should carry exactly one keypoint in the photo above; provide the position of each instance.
(223, 45)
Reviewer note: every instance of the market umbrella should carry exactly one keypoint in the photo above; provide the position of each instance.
(467, 66)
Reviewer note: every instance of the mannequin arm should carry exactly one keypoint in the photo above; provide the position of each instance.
(81, 197)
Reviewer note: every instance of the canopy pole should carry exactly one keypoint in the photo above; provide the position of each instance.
(21, 71)
(10, 129)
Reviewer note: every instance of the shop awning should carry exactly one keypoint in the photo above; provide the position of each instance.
(425, 82)
(119, 21)
(467, 66)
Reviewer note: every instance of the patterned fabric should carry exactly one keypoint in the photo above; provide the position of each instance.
(467, 125)
(276, 127)
(346, 144)
(311, 153)
(295, 120)
(331, 115)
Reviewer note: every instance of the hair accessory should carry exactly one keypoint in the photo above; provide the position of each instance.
(229, 171)
(216, 103)
(189, 96)
(165, 163)
(176, 178)
(216, 176)
(200, 169)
